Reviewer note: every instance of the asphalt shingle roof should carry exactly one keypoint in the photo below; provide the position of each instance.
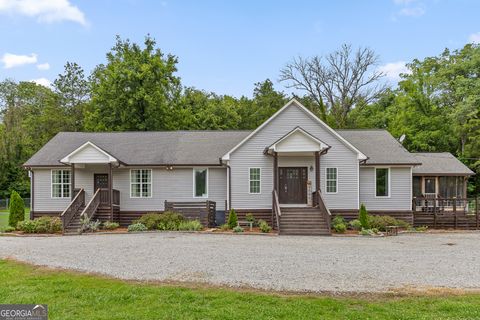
(379, 146)
(440, 163)
(144, 148)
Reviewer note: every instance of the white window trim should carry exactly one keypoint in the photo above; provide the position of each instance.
(151, 184)
(389, 182)
(193, 183)
(51, 184)
(260, 181)
(326, 180)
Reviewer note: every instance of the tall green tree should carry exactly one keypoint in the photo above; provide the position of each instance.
(136, 90)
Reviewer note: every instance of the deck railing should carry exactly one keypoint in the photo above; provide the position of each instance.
(276, 211)
(202, 210)
(72, 209)
(105, 197)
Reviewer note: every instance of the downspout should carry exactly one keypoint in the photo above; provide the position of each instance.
(32, 191)
(229, 185)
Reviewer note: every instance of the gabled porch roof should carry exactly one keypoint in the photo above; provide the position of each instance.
(298, 140)
(89, 153)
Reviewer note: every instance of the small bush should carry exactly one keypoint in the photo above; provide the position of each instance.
(355, 224)
(363, 217)
(16, 209)
(421, 228)
(191, 225)
(107, 225)
(339, 224)
(232, 219)
(264, 227)
(8, 229)
(137, 227)
(238, 229)
(225, 227)
(381, 222)
(87, 225)
(168, 220)
(40, 225)
(250, 218)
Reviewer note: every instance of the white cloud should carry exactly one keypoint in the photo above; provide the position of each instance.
(403, 2)
(412, 12)
(44, 10)
(43, 82)
(392, 70)
(10, 60)
(409, 8)
(474, 37)
(43, 66)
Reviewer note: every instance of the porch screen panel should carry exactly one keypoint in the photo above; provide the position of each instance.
(447, 187)
(460, 187)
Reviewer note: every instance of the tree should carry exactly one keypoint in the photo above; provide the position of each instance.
(73, 90)
(363, 217)
(135, 90)
(338, 81)
(16, 209)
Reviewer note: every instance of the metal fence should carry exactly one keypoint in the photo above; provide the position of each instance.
(5, 202)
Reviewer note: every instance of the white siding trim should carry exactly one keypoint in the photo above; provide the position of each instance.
(110, 158)
(193, 183)
(389, 182)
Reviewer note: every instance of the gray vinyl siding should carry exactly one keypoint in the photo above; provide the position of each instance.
(400, 189)
(42, 193)
(173, 185)
(250, 154)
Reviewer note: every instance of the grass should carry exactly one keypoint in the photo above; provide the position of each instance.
(4, 217)
(72, 295)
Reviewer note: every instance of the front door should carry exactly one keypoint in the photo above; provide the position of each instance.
(292, 187)
(100, 180)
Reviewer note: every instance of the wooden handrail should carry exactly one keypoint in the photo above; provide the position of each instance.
(92, 205)
(68, 214)
(320, 203)
(276, 209)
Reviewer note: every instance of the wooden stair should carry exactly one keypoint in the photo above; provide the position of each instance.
(74, 226)
(305, 221)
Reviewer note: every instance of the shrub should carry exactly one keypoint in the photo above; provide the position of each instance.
(137, 227)
(225, 227)
(381, 222)
(168, 220)
(250, 218)
(232, 219)
(8, 229)
(421, 228)
(87, 225)
(264, 227)
(238, 229)
(366, 232)
(363, 217)
(40, 225)
(47, 225)
(191, 225)
(16, 209)
(110, 225)
(339, 224)
(355, 224)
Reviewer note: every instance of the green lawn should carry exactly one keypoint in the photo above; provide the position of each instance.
(78, 296)
(4, 217)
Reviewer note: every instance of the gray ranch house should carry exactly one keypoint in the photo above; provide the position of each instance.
(294, 171)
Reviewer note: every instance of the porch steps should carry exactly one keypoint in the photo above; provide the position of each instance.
(74, 225)
(303, 221)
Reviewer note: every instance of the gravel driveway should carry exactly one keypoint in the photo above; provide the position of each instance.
(290, 263)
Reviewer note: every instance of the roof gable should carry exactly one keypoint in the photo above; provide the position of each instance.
(295, 103)
(298, 140)
(89, 153)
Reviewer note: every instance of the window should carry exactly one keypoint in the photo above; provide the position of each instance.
(254, 178)
(331, 180)
(382, 182)
(200, 183)
(140, 183)
(60, 183)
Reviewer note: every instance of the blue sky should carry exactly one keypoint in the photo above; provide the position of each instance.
(227, 46)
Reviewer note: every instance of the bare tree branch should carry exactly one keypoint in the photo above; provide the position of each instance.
(342, 79)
